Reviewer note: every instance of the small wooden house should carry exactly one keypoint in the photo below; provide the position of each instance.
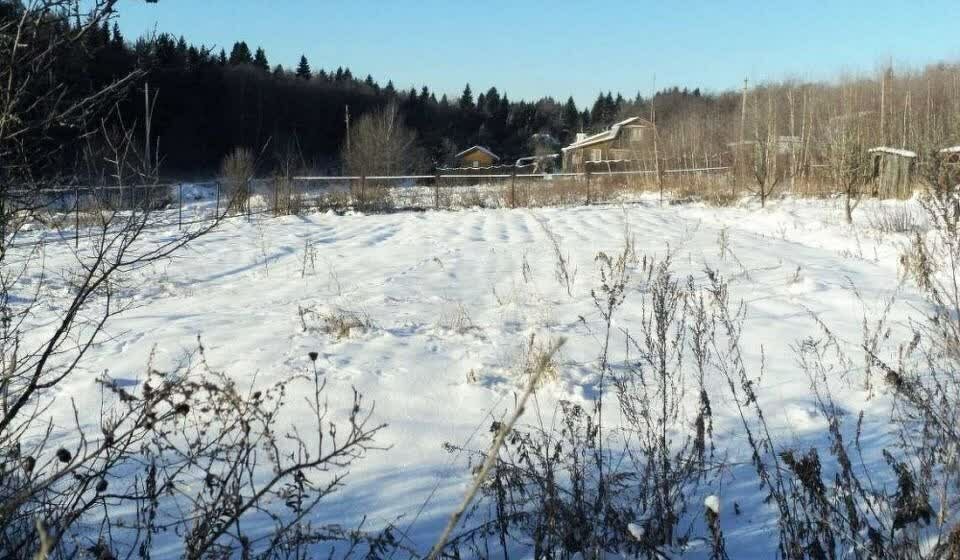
(626, 142)
(893, 170)
(477, 157)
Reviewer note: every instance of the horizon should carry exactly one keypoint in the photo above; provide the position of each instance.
(850, 35)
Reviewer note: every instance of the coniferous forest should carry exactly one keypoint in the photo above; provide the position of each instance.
(210, 101)
(206, 102)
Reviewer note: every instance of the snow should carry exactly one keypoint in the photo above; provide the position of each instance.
(453, 298)
(893, 151)
(712, 502)
(951, 150)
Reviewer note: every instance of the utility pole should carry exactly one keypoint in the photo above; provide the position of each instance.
(743, 125)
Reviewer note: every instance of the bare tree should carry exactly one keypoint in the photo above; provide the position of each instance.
(848, 159)
(380, 144)
(767, 170)
(188, 453)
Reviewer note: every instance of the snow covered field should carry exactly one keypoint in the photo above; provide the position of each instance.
(450, 301)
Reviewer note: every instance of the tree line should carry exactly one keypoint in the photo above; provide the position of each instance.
(208, 102)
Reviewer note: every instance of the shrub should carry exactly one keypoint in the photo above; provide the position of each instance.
(236, 172)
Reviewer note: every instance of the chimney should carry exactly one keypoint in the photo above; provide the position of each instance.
(581, 136)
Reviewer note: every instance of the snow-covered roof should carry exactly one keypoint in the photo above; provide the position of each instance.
(479, 149)
(531, 159)
(604, 136)
(893, 151)
(951, 150)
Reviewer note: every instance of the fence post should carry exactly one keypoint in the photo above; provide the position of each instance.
(76, 211)
(436, 192)
(180, 206)
(513, 188)
(217, 214)
(588, 187)
(363, 186)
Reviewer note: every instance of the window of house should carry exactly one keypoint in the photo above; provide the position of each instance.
(476, 163)
(596, 155)
(636, 134)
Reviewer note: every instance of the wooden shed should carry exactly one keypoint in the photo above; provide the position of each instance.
(477, 156)
(892, 173)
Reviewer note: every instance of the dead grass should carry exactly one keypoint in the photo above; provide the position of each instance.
(457, 319)
(337, 321)
(539, 359)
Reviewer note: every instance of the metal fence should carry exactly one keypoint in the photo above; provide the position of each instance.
(71, 210)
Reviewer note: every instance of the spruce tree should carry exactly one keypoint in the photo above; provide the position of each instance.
(303, 69)
(598, 110)
(571, 116)
(240, 54)
(260, 60)
(117, 39)
(466, 99)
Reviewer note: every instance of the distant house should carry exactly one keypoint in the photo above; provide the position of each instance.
(892, 171)
(477, 156)
(623, 142)
(951, 155)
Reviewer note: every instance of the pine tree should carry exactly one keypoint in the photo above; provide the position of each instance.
(466, 99)
(303, 69)
(240, 54)
(222, 58)
(278, 71)
(260, 60)
(390, 91)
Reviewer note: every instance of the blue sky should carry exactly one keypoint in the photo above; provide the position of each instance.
(532, 48)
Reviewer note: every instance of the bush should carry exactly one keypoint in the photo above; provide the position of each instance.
(236, 172)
